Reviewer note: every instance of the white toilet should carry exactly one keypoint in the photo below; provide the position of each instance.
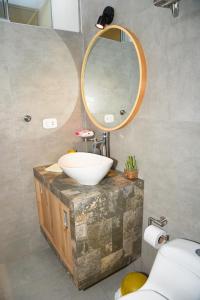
(175, 274)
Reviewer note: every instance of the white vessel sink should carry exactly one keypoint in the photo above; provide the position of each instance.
(86, 168)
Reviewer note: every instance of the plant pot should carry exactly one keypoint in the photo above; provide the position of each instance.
(131, 174)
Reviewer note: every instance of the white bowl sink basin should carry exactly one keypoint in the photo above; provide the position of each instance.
(86, 168)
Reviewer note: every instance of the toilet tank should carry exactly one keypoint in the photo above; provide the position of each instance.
(176, 271)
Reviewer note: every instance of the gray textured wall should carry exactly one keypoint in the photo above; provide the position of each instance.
(40, 76)
(165, 134)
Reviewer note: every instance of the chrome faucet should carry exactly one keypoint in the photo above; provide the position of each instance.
(103, 145)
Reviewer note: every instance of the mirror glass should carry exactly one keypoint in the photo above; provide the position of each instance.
(111, 78)
(32, 12)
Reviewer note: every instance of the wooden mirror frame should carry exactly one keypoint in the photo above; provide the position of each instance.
(142, 81)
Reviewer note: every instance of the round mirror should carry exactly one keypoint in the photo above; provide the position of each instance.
(113, 78)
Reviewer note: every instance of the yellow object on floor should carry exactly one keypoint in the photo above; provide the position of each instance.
(132, 282)
(71, 151)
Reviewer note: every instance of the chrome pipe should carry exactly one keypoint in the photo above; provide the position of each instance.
(106, 137)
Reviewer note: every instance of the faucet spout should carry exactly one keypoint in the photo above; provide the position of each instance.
(102, 145)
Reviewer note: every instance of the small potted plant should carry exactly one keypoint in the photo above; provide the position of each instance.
(131, 171)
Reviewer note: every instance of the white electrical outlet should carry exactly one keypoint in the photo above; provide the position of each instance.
(50, 123)
(109, 118)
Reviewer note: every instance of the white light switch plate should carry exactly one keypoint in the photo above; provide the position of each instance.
(50, 123)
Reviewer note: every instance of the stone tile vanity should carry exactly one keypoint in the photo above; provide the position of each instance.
(95, 230)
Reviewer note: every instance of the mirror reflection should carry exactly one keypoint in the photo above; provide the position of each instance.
(32, 12)
(111, 78)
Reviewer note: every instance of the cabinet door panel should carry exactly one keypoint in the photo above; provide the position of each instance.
(56, 221)
(46, 208)
(43, 204)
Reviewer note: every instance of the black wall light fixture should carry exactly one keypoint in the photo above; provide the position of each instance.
(172, 4)
(106, 18)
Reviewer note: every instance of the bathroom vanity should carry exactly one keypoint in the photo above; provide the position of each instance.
(95, 230)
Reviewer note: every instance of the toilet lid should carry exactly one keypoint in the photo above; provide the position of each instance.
(144, 295)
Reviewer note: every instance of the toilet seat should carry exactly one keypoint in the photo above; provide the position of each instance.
(144, 295)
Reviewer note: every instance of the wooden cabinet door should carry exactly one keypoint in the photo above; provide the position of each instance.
(54, 218)
(44, 209)
(56, 222)
(61, 230)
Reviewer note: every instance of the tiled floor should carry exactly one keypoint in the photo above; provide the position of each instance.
(41, 276)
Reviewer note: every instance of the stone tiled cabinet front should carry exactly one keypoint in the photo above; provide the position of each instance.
(106, 223)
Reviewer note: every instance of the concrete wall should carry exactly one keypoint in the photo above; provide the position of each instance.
(38, 76)
(165, 134)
